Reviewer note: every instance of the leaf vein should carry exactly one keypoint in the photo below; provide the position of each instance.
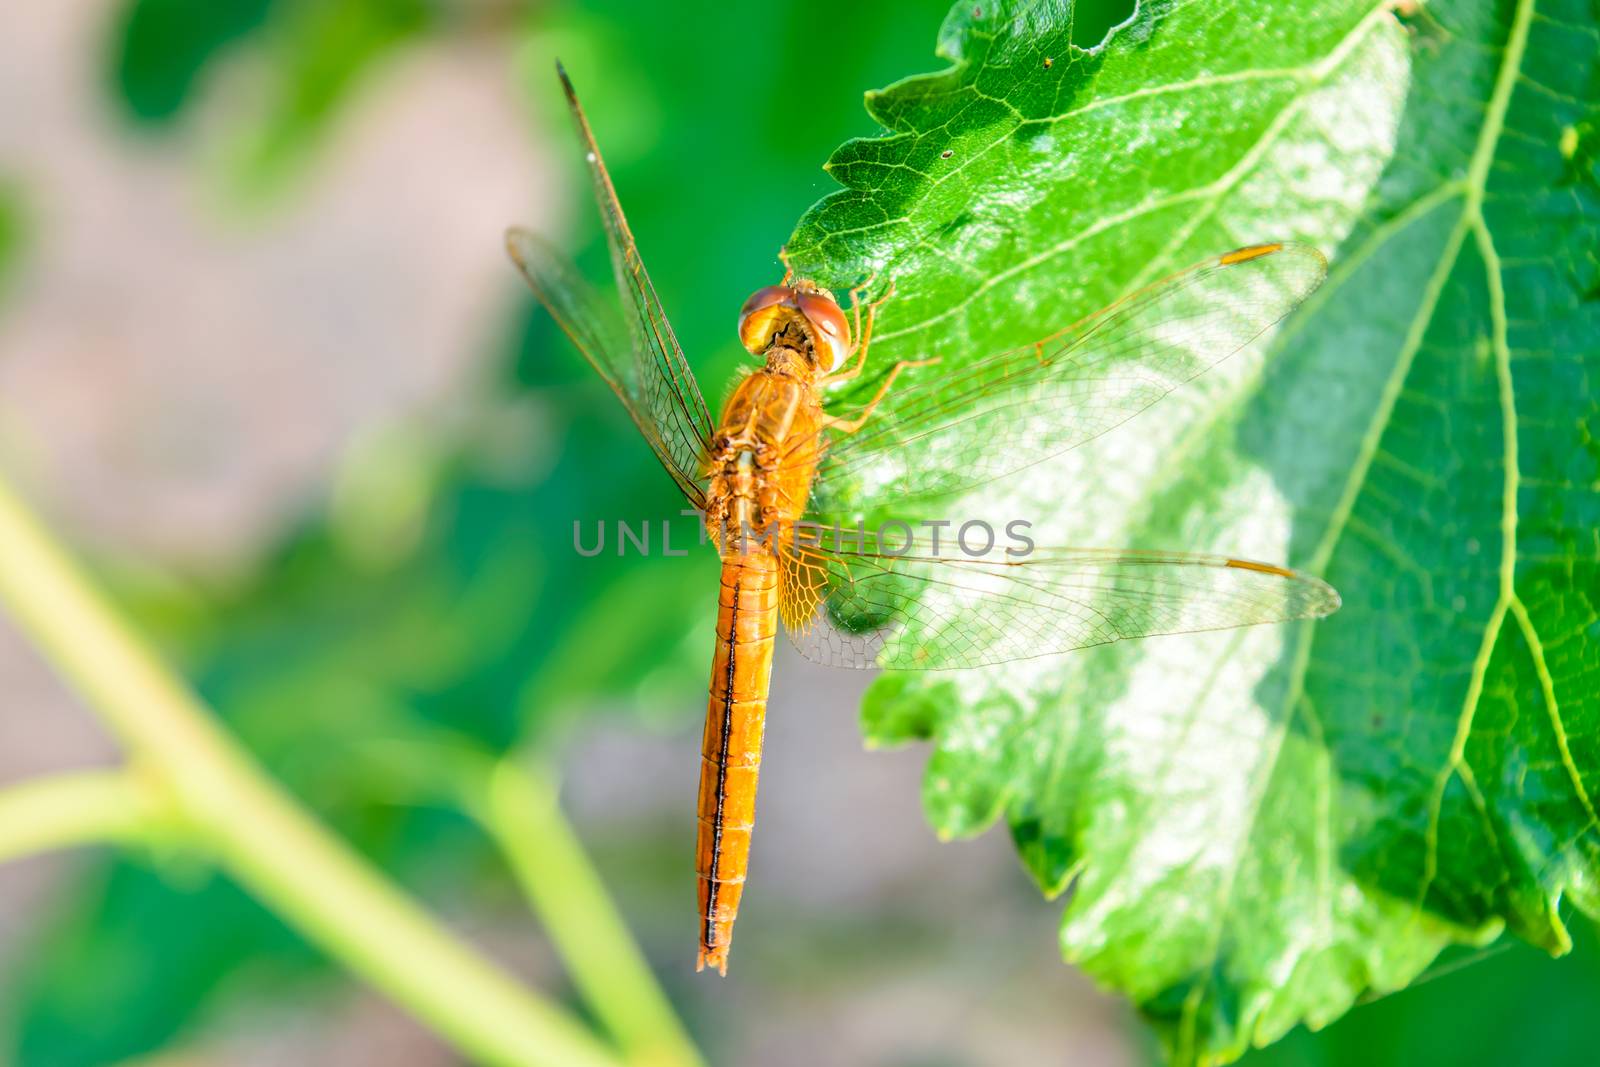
(1547, 684)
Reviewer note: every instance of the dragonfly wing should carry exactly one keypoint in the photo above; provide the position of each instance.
(919, 610)
(592, 325)
(669, 388)
(648, 371)
(948, 431)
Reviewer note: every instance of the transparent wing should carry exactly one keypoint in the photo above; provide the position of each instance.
(592, 325)
(854, 604)
(650, 374)
(944, 431)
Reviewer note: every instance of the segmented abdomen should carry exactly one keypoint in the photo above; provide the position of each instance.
(747, 626)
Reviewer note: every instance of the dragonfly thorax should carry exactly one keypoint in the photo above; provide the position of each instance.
(804, 308)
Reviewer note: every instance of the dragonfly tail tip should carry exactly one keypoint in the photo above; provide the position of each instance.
(716, 958)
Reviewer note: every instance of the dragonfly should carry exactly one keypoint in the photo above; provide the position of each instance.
(778, 459)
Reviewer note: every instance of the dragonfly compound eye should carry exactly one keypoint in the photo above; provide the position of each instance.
(763, 315)
(828, 328)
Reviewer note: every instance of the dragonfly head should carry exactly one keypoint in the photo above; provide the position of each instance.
(809, 307)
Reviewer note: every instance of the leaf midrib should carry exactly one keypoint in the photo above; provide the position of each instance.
(1472, 190)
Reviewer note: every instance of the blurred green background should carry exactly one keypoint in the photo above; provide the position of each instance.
(263, 360)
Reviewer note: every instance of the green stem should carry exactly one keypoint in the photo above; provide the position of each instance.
(520, 810)
(77, 808)
(260, 833)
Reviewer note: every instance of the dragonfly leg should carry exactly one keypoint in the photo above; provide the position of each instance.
(865, 334)
(855, 300)
(852, 425)
(788, 268)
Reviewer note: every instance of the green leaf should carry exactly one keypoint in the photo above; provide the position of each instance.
(1258, 827)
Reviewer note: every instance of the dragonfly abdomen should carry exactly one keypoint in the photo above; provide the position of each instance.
(747, 626)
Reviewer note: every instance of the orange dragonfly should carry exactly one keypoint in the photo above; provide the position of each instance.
(762, 475)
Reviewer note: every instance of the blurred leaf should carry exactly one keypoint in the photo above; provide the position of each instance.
(111, 957)
(12, 231)
(439, 595)
(323, 655)
(315, 52)
(162, 46)
(1261, 825)
(1518, 1006)
(318, 53)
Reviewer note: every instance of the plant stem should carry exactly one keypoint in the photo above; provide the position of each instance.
(261, 835)
(76, 808)
(521, 811)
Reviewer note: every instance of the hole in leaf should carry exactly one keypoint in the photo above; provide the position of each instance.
(1093, 19)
